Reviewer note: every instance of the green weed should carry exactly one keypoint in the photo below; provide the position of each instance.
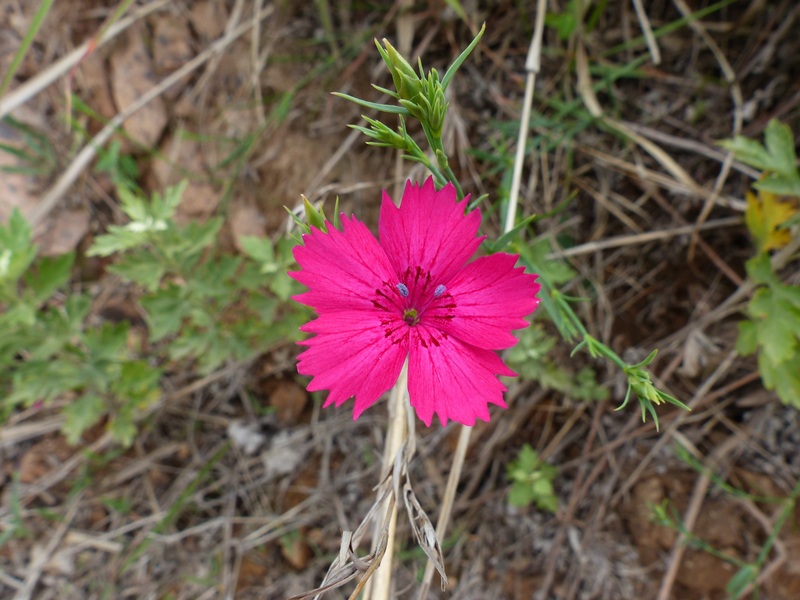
(772, 329)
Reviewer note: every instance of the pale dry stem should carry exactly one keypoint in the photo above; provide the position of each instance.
(379, 588)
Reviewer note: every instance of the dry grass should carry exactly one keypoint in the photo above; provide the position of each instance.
(654, 232)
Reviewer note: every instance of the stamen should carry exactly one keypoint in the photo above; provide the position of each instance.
(401, 287)
(440, 289)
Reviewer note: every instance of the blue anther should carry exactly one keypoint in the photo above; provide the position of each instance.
(440, 289)
(401, 287)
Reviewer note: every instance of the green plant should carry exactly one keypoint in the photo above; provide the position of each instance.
(47, 352)
(532, 481)
(531, 359)
(776, 157)
(201, 304)
(772, 329)
(34, 154)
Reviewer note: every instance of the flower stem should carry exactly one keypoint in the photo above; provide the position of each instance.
(447, 503)
(379, 588)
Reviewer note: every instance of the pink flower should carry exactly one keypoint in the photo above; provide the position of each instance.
(412, 295)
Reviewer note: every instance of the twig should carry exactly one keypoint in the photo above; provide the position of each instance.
(641, 238)
(647, 31)
(532, 66)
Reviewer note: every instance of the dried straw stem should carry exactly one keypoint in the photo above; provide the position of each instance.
(379, 587)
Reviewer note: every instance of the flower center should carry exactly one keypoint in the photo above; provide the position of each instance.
(410, 316)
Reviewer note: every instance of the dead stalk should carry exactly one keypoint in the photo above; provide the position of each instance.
(379, 588)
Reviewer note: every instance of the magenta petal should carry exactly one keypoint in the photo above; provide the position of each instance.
(486, 300)
(429, 230)
(342, 269)
(352, 355)
(454, 380)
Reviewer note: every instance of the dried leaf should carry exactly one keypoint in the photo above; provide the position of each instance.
(131, 77)
(424, 531)
(765, 215)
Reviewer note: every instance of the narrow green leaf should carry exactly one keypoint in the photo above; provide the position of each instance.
(387, 108)
(461, 58)
(27, 40)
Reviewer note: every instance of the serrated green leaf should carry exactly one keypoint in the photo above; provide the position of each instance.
(133, 205)
(16, 236)
(759, 269)
(77, 307)
(50, 274)
(80, 415)
(214, 280)
(122, 429)
(748, 151)
(17, 252)
(520, 495)
(781, 185)
(138, 384)
(166, 310)
(260, 250)
(783, 377)
(528, 458)
(282, 285)
(107, 342)
(19, 315)
(789, 294)
(140, 267)
(777, 324)
(779, 142)
(118, 239)
(776, 156)
(184, 245)
(556, 271)
(190, 344)
(263, 307)
(44, 380)
(747, 341)
(164, 205)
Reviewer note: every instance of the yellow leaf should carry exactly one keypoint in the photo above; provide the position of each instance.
(765, 213)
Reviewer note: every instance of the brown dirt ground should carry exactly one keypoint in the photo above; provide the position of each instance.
(267, 524)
